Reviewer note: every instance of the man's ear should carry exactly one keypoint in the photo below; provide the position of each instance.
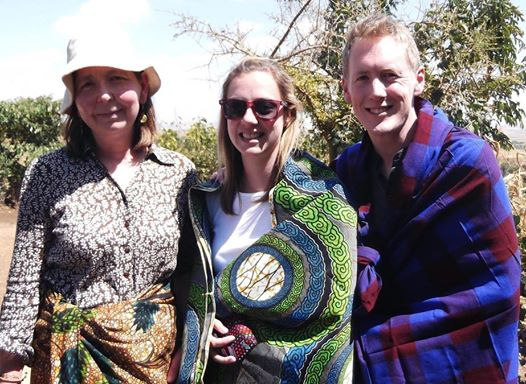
(420, 81)
(346, 94)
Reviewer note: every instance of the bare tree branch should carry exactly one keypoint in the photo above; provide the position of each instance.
(291, 24)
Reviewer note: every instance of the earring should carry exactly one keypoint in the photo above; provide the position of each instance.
(144, 119)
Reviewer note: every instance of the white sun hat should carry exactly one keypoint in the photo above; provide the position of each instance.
(103, 51)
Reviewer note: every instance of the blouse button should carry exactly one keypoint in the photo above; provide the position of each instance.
(126, 224)
(126, 275)
(127, 249)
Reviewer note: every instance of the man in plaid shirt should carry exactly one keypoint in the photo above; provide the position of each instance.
(438, 291)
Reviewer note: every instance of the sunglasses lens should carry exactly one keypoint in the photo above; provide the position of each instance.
(234, 109)
(263, 108)
(266, 109)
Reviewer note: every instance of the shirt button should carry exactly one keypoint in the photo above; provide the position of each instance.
(126, 224)
(126, 274)
(127, 249)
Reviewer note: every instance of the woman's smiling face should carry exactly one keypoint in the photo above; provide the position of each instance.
(250, 136)
(108, 99)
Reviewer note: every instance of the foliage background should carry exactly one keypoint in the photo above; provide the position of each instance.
(28, 128)
(471, 51)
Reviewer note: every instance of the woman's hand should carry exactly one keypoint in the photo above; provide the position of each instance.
(219, 175)
(218, 341)
(10, 368)
(175, 364)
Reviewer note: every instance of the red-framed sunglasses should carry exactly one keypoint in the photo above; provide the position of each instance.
(264, 109)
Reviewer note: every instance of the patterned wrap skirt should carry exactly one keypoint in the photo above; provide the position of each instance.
(126, 342)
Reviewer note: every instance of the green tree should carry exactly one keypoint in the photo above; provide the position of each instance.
(198, 143)
(28, 128)
(469, 47)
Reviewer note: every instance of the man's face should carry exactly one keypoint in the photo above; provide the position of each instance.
(381, 85)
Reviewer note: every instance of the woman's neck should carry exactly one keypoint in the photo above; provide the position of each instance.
(257, 176)
(114, 154)
(120, 163)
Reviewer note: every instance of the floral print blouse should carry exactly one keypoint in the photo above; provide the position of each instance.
(81, 235)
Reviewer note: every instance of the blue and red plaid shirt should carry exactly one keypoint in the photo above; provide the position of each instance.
(440, 277)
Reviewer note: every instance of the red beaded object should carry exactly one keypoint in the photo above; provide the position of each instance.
(244, 342)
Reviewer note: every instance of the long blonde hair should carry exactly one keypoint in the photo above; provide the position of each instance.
(229, 156)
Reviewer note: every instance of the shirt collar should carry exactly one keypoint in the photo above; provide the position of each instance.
(160, 155)
(155, 153)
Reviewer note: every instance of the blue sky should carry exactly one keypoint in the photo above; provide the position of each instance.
(35, 34)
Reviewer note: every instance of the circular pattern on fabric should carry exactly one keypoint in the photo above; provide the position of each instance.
(260, 277)
(262, 267)
(317, 271)
(289, 198)
(341, 369)
(320, 361)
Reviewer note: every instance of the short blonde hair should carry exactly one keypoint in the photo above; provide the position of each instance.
(380, 25)
(229, 156)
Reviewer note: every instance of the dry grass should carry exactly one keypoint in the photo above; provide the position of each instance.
(513, 164)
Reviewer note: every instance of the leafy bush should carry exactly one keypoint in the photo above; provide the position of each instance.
(28, 128)
(198, 143)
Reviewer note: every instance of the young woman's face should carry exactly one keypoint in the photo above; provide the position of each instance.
(108, 99)
(253, 136)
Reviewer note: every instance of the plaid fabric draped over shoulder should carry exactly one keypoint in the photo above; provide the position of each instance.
(448, 307)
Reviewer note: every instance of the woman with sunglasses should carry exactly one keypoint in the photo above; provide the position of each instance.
(91, 291)
(273, 284)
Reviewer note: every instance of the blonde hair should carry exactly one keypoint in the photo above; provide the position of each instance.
(79, 138)
(229, 156)
(380, 25)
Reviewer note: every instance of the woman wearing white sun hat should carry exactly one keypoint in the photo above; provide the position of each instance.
(101, 222)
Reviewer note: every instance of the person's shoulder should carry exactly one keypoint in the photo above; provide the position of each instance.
(463, 149)
(304, 156)
(168, 156)
(53, 159)
(351, 150)
(310, 167)
(309, 164)
(458, 140)
(347, 157)
(464, 143)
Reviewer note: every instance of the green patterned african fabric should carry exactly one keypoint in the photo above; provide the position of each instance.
(127, 342)
(294, 286)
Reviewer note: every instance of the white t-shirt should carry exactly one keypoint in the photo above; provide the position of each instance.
(234, 233)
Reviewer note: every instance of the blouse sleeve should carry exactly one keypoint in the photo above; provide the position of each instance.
(20, 304)
(182, 195)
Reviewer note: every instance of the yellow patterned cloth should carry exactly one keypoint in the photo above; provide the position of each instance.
(127, 342)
